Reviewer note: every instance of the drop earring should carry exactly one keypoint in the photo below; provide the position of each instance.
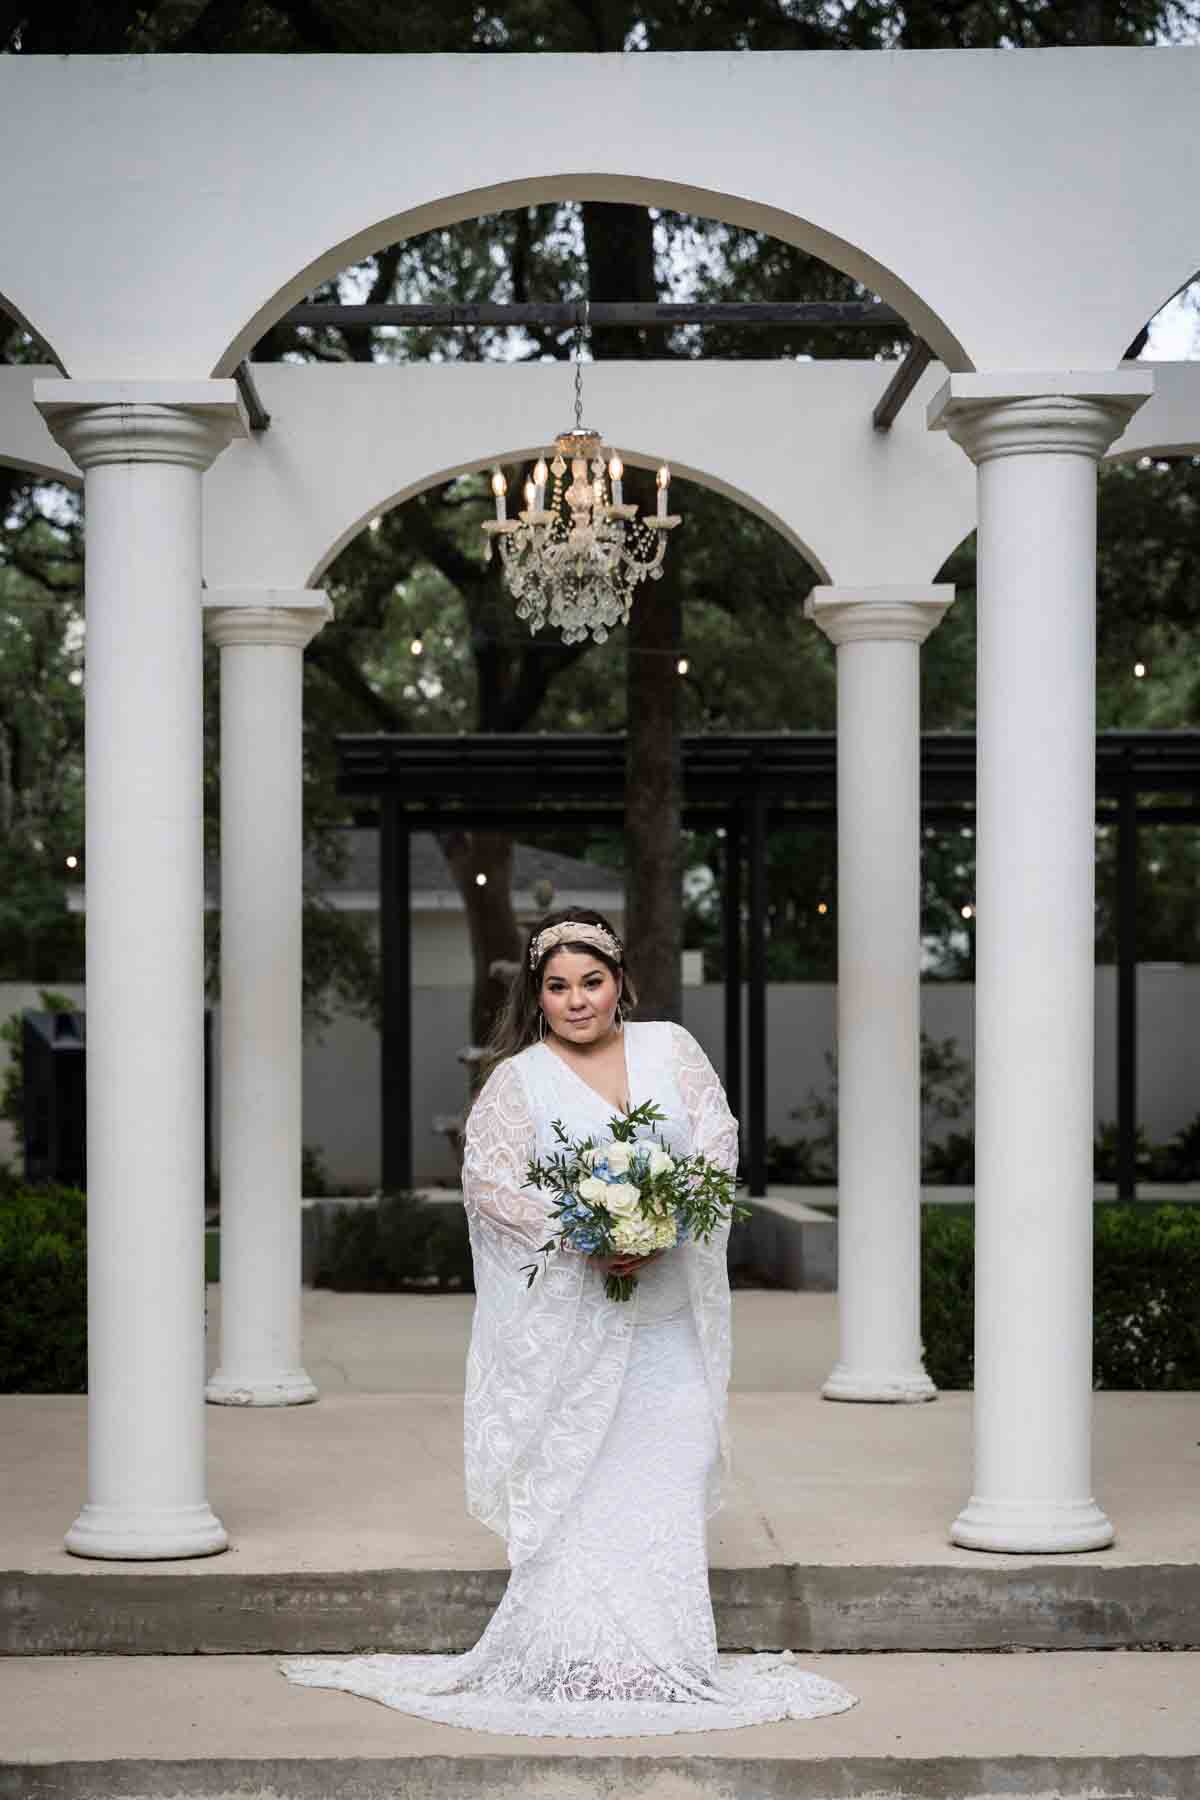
(541, 1026)
(620, 1017)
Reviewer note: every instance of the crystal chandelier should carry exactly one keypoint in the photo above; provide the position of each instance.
(577, 561)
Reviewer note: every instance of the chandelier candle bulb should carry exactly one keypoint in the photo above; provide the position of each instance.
(499, 489)
(541, 475)
(616, 471)
(664, 482)
(532, 499)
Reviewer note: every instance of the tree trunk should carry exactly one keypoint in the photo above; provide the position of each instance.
(491, 920)
(653, 800)
(620, 250)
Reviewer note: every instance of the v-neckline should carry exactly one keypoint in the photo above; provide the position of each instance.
(595, 1091)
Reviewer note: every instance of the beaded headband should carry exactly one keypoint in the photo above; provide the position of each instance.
(573, 931)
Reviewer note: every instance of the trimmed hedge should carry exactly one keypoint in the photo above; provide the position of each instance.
(1147, 1279)
(402, 1245)
(1146, 1310)
(43, 1290)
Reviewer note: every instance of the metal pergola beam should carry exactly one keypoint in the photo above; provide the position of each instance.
(749, 784)
(821, 315)
(900, 387)
(257, 413)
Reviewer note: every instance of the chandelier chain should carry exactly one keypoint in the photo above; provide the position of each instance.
(581, 331)
(574, 555)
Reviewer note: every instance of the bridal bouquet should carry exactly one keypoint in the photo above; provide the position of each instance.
(629, 1196)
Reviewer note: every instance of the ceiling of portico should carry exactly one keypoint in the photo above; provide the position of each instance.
(1010, 206)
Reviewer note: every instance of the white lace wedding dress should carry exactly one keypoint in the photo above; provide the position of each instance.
(595, 1445)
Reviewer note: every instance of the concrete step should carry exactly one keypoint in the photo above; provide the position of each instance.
(349, 1530)
(1086, 1726)
(1034, 1604)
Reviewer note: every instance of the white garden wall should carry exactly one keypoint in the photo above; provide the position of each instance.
(341, 1070)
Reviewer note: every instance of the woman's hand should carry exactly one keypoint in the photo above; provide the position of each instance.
(626, 1264)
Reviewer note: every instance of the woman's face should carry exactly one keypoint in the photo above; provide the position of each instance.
(579, 996)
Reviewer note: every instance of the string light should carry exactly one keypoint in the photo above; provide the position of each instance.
(1139, 669)
(481, 879)
(681, 667)
(417, 647)
(968, 912)
(72, 862)
(822, 908)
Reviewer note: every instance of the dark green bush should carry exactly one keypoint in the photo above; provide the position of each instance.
(948, 1295)
(1146, 1333)
(43, 1290)
(1146, 1297)
(401, 1245)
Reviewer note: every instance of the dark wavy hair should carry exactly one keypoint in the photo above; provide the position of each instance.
(516, 1024)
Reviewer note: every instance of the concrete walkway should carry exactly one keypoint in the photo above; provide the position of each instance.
(371, 1476)
(930, 1726)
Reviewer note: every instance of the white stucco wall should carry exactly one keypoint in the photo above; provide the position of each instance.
(341, 1069)
(981, 192)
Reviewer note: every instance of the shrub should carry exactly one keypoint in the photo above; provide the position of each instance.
(1146, 1332)
(1179, 1158)
(1147, 1322)
(400, 1245)
(948, 1295)
(43, 1290)
(12, 1034)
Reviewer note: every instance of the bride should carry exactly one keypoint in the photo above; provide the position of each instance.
(595, 1430)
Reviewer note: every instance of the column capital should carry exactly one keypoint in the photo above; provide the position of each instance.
(287, 616)
(98, 422)
(899, 613)
(1064, 413)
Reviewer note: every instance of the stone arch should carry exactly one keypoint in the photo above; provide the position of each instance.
(727, 208)
(633, 458)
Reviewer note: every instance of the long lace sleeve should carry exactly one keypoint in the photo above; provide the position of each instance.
(498, 1147)
(545, 1362)
(714, 1128)
(714, 1133)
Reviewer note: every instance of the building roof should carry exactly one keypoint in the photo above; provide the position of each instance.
(433, 887)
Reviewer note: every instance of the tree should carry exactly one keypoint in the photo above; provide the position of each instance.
(420, 571)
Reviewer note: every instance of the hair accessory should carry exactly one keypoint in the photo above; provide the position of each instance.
(573, 931)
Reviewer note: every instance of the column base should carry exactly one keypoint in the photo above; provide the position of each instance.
(127, 1534)
(290, 1387)
(1031, 1527)
(846, 1383)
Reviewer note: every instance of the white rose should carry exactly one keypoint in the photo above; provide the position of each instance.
(594, 1191)
(617, 1156)
(661, 1162)
(621, 1199)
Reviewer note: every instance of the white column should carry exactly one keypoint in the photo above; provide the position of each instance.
(878, 632)
(143, 447)
(1036, 440)
(262, 637)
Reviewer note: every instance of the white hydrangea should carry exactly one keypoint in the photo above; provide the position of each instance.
(636, 1235)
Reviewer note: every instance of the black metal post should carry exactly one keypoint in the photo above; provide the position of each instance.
(395, 957)
(757, 1009)
(731, 933)
(1127, 953)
